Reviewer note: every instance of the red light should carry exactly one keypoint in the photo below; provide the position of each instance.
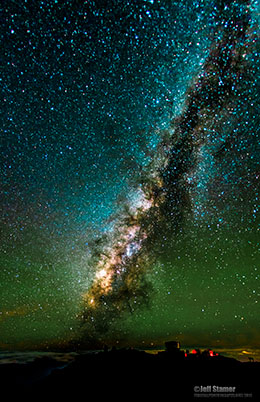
(194, 351)
(211, 353)
(185, 354)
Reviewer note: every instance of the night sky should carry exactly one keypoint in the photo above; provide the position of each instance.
(129, 173)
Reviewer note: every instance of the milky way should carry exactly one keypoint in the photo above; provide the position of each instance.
(119, 281)
(131, 145)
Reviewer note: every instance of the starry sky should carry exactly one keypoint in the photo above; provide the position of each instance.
(129, 173)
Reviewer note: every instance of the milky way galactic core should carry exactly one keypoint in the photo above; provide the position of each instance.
(130, 173)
